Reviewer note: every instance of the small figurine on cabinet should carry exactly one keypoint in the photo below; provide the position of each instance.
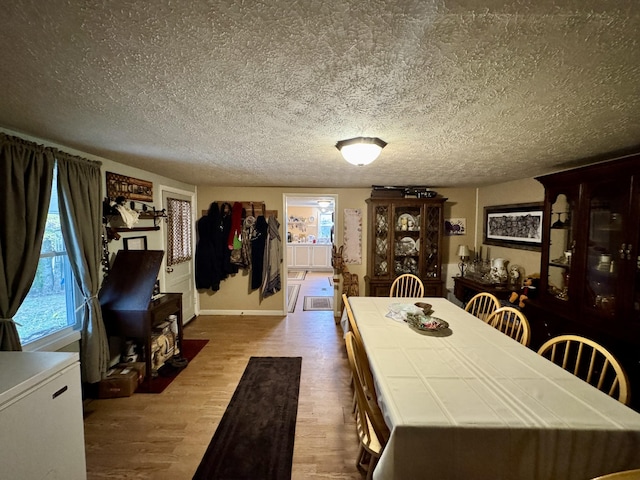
(529, 290)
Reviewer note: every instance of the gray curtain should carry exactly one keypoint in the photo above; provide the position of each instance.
(79, 182)
(26, 173)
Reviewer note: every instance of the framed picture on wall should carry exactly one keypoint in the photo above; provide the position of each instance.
(455, 226)
(135, 243)
(128, 187)
(514, 226)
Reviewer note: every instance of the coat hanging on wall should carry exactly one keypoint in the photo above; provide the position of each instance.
(229, 239)
(258, 244)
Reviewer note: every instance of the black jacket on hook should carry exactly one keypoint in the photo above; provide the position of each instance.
(258, 243)
(210, 267)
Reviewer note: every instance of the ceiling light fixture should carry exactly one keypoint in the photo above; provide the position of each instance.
(324, 203)
(361, 150)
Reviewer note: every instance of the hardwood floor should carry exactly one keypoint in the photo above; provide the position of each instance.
(164, 436)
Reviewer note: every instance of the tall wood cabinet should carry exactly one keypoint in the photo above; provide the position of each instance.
(590, 261)
(405, 236)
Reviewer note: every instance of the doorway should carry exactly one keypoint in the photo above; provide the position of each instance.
(178, 270)
(310, 222)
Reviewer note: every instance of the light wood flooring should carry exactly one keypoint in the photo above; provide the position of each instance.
(164, 436)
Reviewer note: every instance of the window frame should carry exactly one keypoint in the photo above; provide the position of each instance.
(65, 335)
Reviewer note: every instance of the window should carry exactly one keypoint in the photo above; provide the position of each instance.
(325, 226)
(50, 306)
(179, 236)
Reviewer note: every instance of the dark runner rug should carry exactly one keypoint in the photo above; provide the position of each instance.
(166, 373)
(254, 440)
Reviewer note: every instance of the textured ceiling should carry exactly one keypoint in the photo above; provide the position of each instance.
(258, 92)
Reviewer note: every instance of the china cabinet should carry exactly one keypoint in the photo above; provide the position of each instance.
(590, 262)
(405, 236)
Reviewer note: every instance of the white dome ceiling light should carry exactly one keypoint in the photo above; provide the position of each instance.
(361, 150)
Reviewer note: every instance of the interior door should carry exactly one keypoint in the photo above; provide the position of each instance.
(179, 237)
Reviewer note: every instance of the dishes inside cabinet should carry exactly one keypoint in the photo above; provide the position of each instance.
(406, 265)
(406, 246)
(407, 223)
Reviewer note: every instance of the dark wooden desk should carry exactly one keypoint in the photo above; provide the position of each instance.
(465, 288)
(138, 324)
(125, 297)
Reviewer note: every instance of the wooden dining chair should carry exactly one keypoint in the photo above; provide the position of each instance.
(482, 305)
(511, 322)
(373, 433)
(407, 285)
(625, 475)
(589, 361)
(353, 327)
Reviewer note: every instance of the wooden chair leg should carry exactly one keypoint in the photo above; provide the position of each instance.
(360, 460)
(372, 466)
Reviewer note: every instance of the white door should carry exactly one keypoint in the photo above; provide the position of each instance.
(179, 237)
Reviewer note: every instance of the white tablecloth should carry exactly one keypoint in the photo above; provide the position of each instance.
(478, 405)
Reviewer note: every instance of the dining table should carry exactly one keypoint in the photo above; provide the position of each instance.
(469, 402)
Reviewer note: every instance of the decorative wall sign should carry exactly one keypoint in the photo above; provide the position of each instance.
(129, 188)
(455, 226)
(352, 238)
(514, 226)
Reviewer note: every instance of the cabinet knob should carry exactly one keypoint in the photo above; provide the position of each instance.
(169, 269)
(622, 251)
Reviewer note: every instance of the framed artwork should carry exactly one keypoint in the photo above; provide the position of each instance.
(135, 243)
(514, 226)
(129, 188)
(455, 226)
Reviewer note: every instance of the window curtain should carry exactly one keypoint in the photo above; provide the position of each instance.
(79, 182)
(179, 235)
(26, 173)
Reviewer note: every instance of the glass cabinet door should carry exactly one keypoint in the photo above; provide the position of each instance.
(406, 251)
(382, 245)
(561, 245)
(431, 241)
(630, 252)
(635, 314)
(608, 207)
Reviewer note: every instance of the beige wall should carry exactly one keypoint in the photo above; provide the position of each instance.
(520, 191)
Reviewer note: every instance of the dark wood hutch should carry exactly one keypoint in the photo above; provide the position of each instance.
(405, 236)
(590, 261)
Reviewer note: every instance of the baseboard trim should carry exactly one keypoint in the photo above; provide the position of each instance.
(267, 313)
